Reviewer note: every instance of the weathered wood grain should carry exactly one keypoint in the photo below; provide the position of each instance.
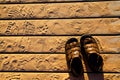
(53, 43)
(60, 10)
(33, 1)
(51, 62)
(58, 76)
(60, 27)
(40, 1)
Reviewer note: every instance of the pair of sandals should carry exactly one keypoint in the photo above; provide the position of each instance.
(87, 47)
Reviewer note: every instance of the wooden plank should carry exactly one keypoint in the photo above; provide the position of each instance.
(58, 76)
(51, 62)
(42, 1)
(53, 43)
(60, 27)
(37, 1)
(60, 10)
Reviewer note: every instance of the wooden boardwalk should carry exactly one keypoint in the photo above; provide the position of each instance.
(33, 34)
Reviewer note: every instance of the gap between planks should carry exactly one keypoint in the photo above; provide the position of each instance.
(49, 1)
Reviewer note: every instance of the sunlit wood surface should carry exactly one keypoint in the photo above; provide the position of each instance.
(33, 34)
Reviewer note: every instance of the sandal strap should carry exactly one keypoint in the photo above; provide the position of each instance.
(91, 48)
(72, 45)
(73, 52)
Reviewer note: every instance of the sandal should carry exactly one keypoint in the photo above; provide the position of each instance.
(73, 57)
(90, 49)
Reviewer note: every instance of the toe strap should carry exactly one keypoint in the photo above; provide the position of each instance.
(91, 48)
(73, 52)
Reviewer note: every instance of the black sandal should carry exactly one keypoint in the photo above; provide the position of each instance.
(90, 49)
(73, 57)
